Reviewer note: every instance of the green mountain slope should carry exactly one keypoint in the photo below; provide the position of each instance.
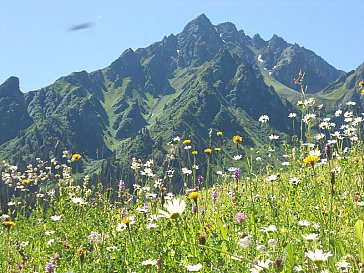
(208, 77)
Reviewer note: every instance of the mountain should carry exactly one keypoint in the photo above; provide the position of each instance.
(284, 61)
(344, 89)
(13, 110)
(208, 77)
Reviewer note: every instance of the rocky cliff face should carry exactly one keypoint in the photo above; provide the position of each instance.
(284, 61)
(14, 117)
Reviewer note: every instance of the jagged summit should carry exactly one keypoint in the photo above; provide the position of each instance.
(277, 41)
(10, 87)
(258, 41)
(201, 20)
(13, 113)
(227, 27)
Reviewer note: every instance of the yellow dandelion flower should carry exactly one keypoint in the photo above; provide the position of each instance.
(217, 149)
(208, 228)
(57, 175)
(237, 139)
(194, 152)
(208, 151)
(193, 195)
(81, 253)
(219, 133)
(76, 157)
(311, 159)
(186, 142)
(126, 221)
(361, 83)
(25, 181)
(362, 92)
(8, 224)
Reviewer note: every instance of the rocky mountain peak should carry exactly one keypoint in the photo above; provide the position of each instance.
(226, 28)
(258, 42)
(277, 42)
(10, 87)
(201, 20)
(127, 65)
(13, 111)
(198, 42)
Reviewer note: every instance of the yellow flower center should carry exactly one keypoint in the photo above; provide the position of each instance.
(194, 195)
(208, 151)
(174, 215)
(9, 224)
(25, 182)
(126, 221)
(311, 159)
(237, 139)
(76, 157)
(186, 142)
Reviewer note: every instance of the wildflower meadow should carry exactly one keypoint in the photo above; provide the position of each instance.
(295, 205)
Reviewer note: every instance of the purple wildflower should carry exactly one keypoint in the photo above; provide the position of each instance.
(240, 217)
(214, 196)
(122, 186)
(203, 212)
(328, 150)
(50, 267)
(194, 208)
(20, 266)
(123, 213)
(237, 174)
(200, 180)
(66, 244)
(356, 197)
(146, 209)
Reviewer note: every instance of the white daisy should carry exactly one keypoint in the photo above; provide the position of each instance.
(194, 268)
(270, 228)
(263, 119)
(303, 223)
(292, 115)
(309, 237)
(318, 255)
(78, 200)
(56, 218)
(237, 157)
(149, 262)
(245, 242)
(260, 266)
(175, 208)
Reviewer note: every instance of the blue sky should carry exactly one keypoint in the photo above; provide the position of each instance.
(37, 48)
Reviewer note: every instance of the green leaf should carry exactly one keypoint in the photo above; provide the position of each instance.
(290, 256)
(222, 229)
(223, 250)
(359, 226)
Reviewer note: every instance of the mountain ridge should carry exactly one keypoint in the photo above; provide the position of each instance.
(206, 77)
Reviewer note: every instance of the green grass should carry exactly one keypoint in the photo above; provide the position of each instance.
(229, 224)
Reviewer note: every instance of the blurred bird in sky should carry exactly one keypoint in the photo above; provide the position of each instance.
(80, 26)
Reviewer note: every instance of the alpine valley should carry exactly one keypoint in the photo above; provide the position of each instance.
(205, 79)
